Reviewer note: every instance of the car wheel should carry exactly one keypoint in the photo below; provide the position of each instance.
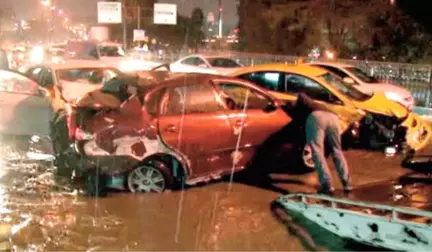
(152, 176)
(306, 157)
(407, 156)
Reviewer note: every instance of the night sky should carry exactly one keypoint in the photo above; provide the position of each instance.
(87, 8)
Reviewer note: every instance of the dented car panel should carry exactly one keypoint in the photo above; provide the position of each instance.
(183, 117)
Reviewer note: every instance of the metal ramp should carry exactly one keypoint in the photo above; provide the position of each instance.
(384, 226)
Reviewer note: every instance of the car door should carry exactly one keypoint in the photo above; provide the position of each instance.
(25, 111)
(192, 121)
(254, 116)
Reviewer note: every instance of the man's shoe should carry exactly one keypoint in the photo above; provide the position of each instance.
(326, 191)
(347, 189)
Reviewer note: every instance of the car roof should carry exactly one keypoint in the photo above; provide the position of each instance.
(281, 67)
(332, 64)
(208, 56)
(195, 78)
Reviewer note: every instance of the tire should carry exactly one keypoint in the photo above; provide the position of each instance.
(151, 176)
(305, 158)
(407, 157)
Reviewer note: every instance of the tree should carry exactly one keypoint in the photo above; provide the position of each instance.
(372, 28)
(195, 31)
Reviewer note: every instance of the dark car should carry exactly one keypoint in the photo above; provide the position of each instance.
(189, 128)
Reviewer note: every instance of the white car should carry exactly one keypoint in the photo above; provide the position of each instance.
(365, 83)
(25, 114)
(74, 78)
(110, 53)
(211, 64)
(113, 54)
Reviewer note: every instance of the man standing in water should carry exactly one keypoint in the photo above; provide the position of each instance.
(323, 125)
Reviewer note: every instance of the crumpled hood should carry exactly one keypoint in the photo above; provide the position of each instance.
(379, 104)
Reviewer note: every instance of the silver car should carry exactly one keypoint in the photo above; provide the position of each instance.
(25, 116)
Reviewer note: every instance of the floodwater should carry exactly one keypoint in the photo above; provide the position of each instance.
(208, 217)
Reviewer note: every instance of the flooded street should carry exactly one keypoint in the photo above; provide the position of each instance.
(207, 217)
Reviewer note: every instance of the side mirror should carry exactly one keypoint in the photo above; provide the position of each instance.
(348, 80)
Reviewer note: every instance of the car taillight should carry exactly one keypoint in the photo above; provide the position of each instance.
(80, 135)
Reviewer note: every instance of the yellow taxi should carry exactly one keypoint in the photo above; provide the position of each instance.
(380, 122)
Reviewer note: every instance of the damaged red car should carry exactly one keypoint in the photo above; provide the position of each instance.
(189, 128)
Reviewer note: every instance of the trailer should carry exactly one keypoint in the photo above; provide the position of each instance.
(378, 225)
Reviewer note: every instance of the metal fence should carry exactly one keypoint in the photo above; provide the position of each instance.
(415, 77)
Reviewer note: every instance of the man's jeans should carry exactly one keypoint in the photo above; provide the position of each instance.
(324, 126)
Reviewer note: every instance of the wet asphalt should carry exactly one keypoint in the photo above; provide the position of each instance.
(217, 216)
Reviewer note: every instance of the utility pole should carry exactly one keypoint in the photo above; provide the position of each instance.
(220, 19)
(138, 17)
(124, 12)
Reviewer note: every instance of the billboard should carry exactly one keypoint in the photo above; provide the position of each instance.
(109, 12)
(165, 14)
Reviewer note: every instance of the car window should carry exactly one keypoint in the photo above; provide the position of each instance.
(296, 83)
(334, 70)
(191, 99)
(46, 79)
(153, 102)
(344, 88)
(239, 97)
(91, 76)
(222, 62)
(16, 83)
(193, 61)
(34, 73)
(362, 75)
(189, 61)
(111, 51)
(267, 80)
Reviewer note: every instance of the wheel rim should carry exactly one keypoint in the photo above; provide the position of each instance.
(146, 179)
(307, 157)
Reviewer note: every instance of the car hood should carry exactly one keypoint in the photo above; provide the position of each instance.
(379, 104)
(385, 87)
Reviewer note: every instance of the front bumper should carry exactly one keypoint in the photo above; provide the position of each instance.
(419, 132)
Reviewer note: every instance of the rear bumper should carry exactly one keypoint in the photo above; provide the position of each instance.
(106, 164)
